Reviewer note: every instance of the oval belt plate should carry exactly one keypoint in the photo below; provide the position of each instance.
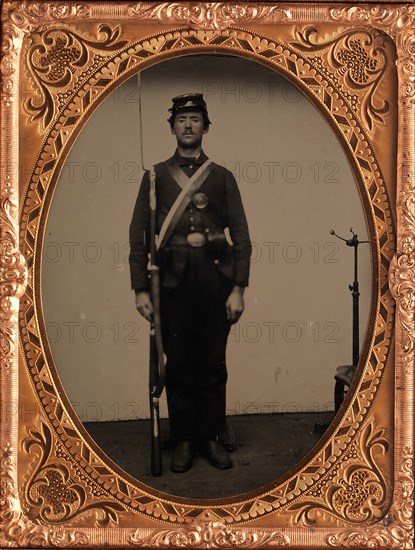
(196, 239)
(200, 200)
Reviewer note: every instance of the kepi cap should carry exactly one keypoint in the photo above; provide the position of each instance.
(189, 102)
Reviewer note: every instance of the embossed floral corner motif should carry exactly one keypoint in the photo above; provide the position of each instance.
(359, 65)
(53, 494)
(356, 492)
(55, 60)
(397, 530)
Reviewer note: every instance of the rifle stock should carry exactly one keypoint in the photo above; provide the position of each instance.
(156, 459)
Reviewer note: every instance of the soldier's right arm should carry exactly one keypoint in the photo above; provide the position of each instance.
(144, 305)
(139, 238)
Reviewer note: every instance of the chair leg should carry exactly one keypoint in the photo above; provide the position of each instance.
(338, 394)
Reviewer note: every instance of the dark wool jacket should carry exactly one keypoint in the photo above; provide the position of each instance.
(224, 210)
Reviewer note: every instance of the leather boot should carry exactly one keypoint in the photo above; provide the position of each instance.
(182, 457)
(216, 454)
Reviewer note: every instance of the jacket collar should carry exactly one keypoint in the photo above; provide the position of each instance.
(186, 161)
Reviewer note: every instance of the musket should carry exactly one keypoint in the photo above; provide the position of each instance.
(157, 360)
(157, 366)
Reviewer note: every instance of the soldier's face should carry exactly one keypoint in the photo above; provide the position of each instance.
(188, 128)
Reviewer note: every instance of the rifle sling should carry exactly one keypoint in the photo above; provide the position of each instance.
(183, 199)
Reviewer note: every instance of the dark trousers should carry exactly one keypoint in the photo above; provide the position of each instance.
(195, 331)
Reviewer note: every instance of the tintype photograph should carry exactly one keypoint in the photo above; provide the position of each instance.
(253, 233)
(207, 288)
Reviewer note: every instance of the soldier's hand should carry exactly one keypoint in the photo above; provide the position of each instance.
(144, 305)
(235, 304)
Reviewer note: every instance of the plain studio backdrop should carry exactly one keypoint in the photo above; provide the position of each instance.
(296, 185)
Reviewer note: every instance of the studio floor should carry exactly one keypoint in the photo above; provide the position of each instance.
(267, 446)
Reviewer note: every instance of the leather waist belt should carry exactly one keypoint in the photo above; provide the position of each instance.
(196, 239)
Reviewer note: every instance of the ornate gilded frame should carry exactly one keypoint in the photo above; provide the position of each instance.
(355, 489)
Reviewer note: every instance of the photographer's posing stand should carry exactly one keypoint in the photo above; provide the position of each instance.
(344, 373)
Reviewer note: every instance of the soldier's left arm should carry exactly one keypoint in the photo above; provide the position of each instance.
(238, 229)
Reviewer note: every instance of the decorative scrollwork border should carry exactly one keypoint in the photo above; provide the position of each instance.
(323, 82)
(20, 19)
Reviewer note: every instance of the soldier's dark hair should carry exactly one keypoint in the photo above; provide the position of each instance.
(205, 116)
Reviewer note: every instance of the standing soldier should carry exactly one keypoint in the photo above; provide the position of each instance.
(202, 277)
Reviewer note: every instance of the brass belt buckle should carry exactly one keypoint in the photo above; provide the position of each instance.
(196, 239)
